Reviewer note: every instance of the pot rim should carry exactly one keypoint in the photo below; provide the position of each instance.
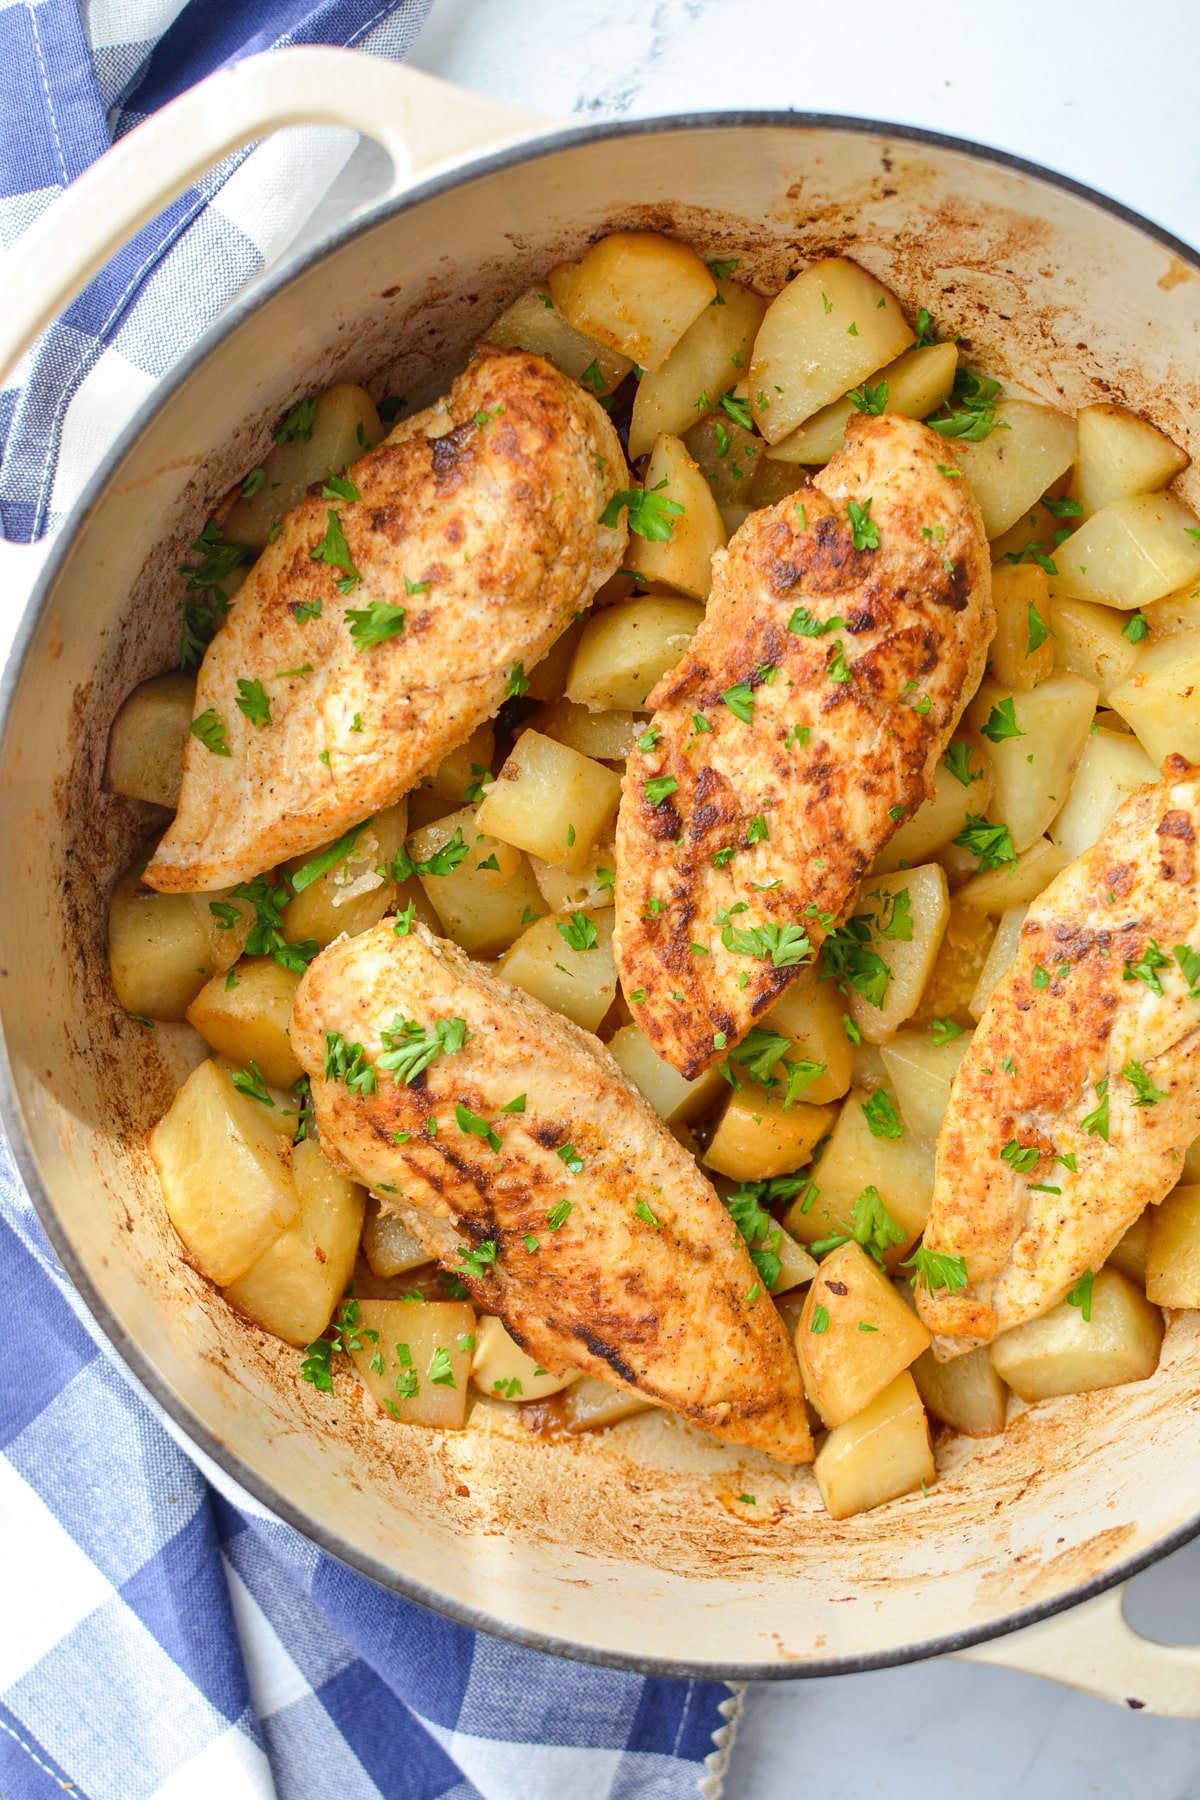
(11, 1117)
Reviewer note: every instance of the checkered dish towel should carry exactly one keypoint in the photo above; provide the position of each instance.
(160, 1636)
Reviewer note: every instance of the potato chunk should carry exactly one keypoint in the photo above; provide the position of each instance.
(758, 1136)
(1065, 1353)
(625, 649)
(339, 427)
(967, 1394)
(870, 1148)
(702, 366)
(828, 329)
(1036, 741)
(293, 1287)
(636, 291)
(550, 801)
(917, 383)
(341, 888)
(162, 948)
(1017, 883)
(811, 1012)
(1111, 768)
(683, 560)
(482, 898)
(226, 1173)
(426, 1349)
(533, 322)
(388, 1245)
(920, 1072)
(1018, 591)
(1000, 958)
(909, 910)
(466, 766)
(1130, 553)
(1015, 464)
(1120, 455)
(503, 1371)
(567, 964)
(944, 815)
(855, 1334)
(1173, 1249)
(591, 1405)
(1090, 641)
(249, 1022)
(145, 744)
(676, 1100)
(878, 1455)
(729, 458)
(1129, 1254)
(1158, 698)
(607, 736)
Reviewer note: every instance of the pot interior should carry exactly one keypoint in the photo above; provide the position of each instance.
(629, 1544)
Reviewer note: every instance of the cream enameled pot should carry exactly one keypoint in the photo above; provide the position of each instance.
(627, 1548)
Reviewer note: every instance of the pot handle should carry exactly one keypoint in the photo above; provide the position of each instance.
(421, 122)
(1094, 1648)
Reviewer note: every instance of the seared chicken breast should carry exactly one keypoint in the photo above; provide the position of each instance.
(527, 1161)
(385, 621)
(846, 628)
(1080, 1092)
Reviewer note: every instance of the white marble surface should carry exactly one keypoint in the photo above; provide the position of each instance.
(1104, 92)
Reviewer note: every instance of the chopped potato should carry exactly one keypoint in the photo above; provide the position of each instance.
(590, 1405)
(880, 1454)
(729, 457)
(920, 1071)
(898, 1167)
(482, 901)
(1179, 611)
(145, 744)
(1173, 1249)
(917, 383)
(592, 886)
(1014, 465)
(426, 1348)
(1018, 883)
(812, 1013)
(343, 424)
(625, 649)
(226, 1173)
(1018, 591)
(567, 964)
(683, 560)
(1120, 455)
(1130, 1253)
(1112, 767)
(550, 801)
(1159, 697)
(1037, 743)
(1092, 641)
(548, 678)
(909, 909)
(533, 322)
(944, 815)
(855, 1334)
(465, 766)
(965, 945)
(355, 891)
(249, 1022)
(703, 365)
(162, 948)
(636, 291)
(824, 333)
(388, 1244)
(293, 1287)
(1000, 958)
(608, 736)
(758, 1136)
(1190, 1171)
(773, 482)
(1065, 1353)
(676, 1100)
(1130, 553)
(966, 1393)
(1039, 530)
(502, 1370)
(796, 1266)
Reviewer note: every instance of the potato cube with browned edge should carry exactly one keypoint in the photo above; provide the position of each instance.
(1159, 697)
(1113, 766)
(607, 736)
(162, 948)
(675, 1099)
(1034, 743)
(567, 964)
(1120, 455)
(415, 1358)
(624, 650)
(908, 910)
(703, 365)
(812, 1013)
(1112, 1334)
(1131, 552)
(481, 888)
(679, 555)
(533, 322)
(759, 1136)
(226, 1173)
(920, 1071)
(1010, 468)
(1129, 1254)
(503, 1371)
(320, 437)
(966, 1393)
(944, 815)
(1019, 883)
(347, 886)
(855, 1334)
(1173, 1249)
(293, 1287)
(916, 383)
(869, 1149)
(1093, 642)
(249, 1022)
(591, 1405)
(550, 801)
(388, 1245)
(881, 1453)
(636, 291)
(145, 744)
(1020, 656)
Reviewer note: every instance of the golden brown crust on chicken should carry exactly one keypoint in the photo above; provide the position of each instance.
(480, 518)
(669, 1305)
(764, 818)
(1070, 1016)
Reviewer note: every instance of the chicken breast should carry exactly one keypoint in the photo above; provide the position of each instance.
(319, 701)
(1080, 1092)
(846, 628)
(510, 1135)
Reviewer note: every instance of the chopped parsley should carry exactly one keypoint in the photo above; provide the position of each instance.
(558, 1215)
(266, 934)
(471, 1125)
(848, 960)
(1137, 628)
(740, 701)
(334, 550)
(871, 1225)
(348, 1063)
(944, 1031)
(443, 861)
(1081, 1295)
(478, 1261)
(1189, 966)
(803, 624)
(787, 945)
(209, 727)
(935, 1271)
(1095, 1123)
(869, 399)
(339, 487)
(570, 1155)
(1147, 1094)
(373, 625)
(882, 1118)
(992, 844)
(518, 682)
(1002, 722)
(1020, 1158)
(650, 514)
(409, 1048)
(250, 1081)
(737, 410)
(658, 788)
(299, 422)
(327, 859)
(958, 761)
(864, 533)
(579, 932)
(1038, 629)
(819, 1322)
(1146, 967)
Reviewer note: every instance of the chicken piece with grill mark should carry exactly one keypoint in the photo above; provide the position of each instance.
(846, 629)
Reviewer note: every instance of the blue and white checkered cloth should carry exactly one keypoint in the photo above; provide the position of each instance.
(159, 1635)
